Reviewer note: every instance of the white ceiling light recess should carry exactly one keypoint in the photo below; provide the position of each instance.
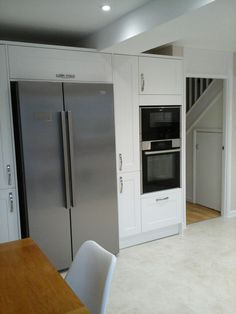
(106, 7)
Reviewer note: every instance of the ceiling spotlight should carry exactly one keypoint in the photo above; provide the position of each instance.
(106, 7)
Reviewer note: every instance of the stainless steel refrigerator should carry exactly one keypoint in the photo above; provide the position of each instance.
(65, 151)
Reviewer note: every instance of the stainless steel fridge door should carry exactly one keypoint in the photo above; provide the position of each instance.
(94, 213)
(40, 107)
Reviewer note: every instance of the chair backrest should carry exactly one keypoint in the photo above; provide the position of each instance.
(90, 276)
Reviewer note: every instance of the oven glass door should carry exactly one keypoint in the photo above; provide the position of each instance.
(159, 123)
(161, 170)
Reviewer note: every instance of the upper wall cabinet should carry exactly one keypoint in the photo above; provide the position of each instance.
(58, 64)
(7, 179)
(161, 76)
(125, 78)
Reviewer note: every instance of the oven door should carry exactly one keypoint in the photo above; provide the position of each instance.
(160, 170)
(160, 123)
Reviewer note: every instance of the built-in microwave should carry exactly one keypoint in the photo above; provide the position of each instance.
(160, 122)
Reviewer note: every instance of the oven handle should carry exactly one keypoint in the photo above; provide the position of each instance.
(158, 152)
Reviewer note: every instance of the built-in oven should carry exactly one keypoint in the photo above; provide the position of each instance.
(160, 122)
(160, 165)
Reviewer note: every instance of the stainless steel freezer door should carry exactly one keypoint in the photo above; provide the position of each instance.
(49, 220)
(94, 214)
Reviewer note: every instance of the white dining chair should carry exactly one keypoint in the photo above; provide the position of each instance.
(90, 276)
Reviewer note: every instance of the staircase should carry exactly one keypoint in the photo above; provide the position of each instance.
(200, 93)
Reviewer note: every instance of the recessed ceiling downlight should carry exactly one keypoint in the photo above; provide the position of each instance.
(106, 7)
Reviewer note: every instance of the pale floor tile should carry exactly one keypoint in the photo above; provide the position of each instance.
(193, 274)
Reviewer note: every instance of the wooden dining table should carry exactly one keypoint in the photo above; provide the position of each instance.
(29, 283)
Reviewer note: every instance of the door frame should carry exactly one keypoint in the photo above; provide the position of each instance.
(228, 94)
(195, 132)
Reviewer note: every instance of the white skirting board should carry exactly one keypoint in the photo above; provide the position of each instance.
(231, 214)
(150, 236)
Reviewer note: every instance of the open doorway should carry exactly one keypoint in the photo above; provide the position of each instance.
(204, 147)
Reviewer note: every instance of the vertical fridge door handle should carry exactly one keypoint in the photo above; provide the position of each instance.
(71, 153)
(65, 156)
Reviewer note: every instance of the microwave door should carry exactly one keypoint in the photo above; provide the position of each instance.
(160, 123)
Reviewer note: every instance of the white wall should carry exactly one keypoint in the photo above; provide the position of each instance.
(212, 119)
(233, 144)
(206, 63)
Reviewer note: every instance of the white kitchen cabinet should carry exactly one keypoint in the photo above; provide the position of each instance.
(9, 230)
(7, 178)
(38, 63)
(160, 76)
(160, 209)
(129, 204)
(125, 79)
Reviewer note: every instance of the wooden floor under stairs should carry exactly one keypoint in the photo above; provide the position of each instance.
(197, 213)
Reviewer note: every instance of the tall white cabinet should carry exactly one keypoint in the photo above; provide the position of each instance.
(7, 177)
(156, 81)
(9, 222)
(161, 83)
(125, 80)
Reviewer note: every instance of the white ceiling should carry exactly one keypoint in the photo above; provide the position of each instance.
(65, 22)
(139, 29)
(212, 26)
(58, 21)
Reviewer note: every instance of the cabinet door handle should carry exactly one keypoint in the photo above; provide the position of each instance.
(11, 202)
(142, 82)
(162, 199)
(121, 162)
(66, 164)
(9, 174)
(121, 185)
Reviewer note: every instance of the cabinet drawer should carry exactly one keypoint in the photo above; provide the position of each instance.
(55, 64)
(160, 210)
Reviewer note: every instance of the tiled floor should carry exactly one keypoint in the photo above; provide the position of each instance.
(193, 274)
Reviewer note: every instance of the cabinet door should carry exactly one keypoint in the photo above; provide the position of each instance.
(129, 204)
(125, 80)
(7, 179)
(8, 216)
(160, 76)
(59, 64)
(160, 210)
